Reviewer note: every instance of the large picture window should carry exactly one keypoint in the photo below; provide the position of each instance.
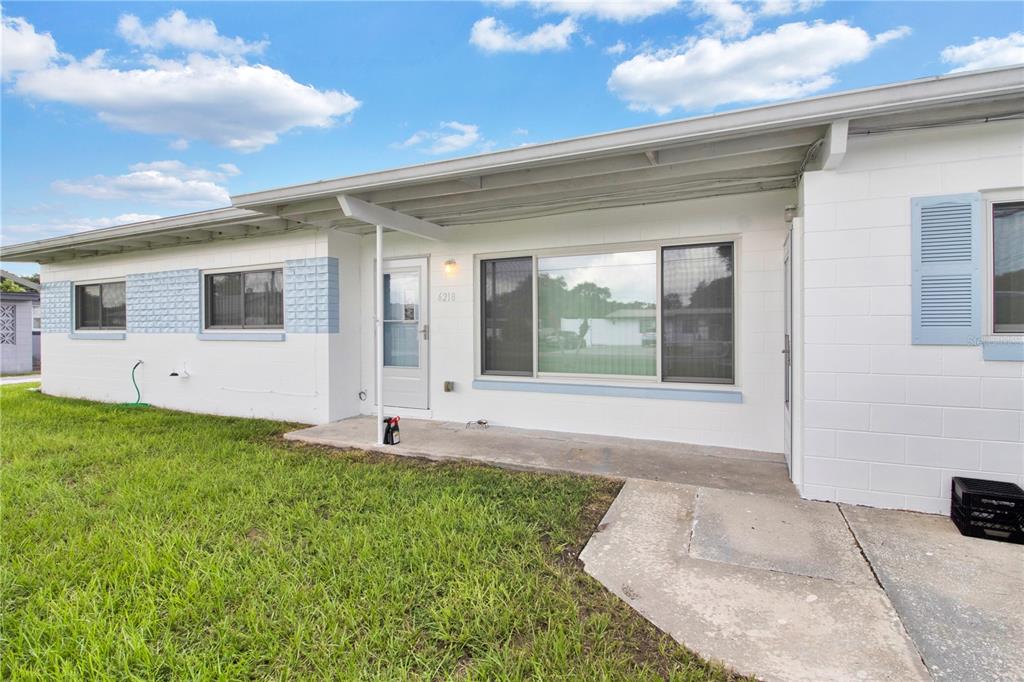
(100, 306)
(241, 300)
(600, 315)
(697, 313)
(506, 288)
(1008, 268)
(591, 314)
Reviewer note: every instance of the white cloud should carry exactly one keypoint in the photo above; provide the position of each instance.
(177, 30)
(986, 53)
(59, 227)
(727, 18)
(450, 136)
(22, 48)
(490, 35)
(792, 61)
(219, 99)
(234, 105)
(170, 183)
(609, 10)
(775, 8)
(520, 131)
(617, 48)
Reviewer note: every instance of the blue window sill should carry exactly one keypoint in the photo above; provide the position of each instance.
(98, 336)
(651, 392)
(1010, 349)
(241, 336)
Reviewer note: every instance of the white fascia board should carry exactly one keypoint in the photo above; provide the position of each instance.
(28, 251)
(898, 97)
(372, 214)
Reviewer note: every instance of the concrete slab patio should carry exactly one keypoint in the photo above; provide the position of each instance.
(713, 467)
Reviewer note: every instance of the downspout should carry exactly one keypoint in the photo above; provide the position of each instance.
(379, 328)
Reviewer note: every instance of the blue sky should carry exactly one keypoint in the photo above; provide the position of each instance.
(115, 112)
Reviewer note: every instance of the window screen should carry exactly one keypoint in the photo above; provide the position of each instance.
(1008, 267)
(100, 306)
(697, 313)
(245, 299)
(507, 317)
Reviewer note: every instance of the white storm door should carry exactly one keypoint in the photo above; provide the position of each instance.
(406, 333)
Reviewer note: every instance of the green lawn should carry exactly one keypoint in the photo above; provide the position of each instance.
(147, 544)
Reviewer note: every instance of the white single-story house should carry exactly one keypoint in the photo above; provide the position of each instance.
(840, 279)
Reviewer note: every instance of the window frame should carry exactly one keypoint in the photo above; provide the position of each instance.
(77, 306)
(994, 200)
(207, 298)
(657, 246)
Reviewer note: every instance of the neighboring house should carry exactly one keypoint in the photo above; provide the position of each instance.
(20, 319)
(839, 279)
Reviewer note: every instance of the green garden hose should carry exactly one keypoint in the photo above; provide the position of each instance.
(138, 394)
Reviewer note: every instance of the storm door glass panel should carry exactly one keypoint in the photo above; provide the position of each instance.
(1008, 256)
(401, 319)
(264, 298)
(597, 314)
(224, 300)
(87, 306)
(697, 313)
(112, 303)
(507, 316)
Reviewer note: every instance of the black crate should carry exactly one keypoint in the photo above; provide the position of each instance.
(988, 509)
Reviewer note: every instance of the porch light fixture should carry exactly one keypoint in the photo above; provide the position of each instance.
(450, 267)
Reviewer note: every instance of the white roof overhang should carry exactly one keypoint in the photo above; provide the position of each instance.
(743, 151)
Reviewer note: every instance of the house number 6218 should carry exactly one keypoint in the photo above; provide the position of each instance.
(446, 297)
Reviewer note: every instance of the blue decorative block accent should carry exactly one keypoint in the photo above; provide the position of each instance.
(166, 302)
(1009, 350)
(655, 392)
(311, 296)
(56, 298)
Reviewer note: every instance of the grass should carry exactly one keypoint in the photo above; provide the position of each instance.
(148, 544)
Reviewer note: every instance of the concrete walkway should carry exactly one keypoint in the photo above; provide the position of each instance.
(773, 587)
(20, 379)
(708, 466)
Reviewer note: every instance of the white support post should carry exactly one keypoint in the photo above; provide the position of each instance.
(379, 327)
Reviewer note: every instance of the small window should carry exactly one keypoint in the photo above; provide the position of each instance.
(245, 300)
(100, 306)
(1008, 268)
(697, 308)
(506, 287)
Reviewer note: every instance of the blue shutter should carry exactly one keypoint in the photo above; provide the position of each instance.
(946, 269)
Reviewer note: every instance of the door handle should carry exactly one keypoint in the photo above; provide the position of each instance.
(426, 332)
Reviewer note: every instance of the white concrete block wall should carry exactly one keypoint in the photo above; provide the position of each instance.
(756, 423)
(291, 379)
(888, 423)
